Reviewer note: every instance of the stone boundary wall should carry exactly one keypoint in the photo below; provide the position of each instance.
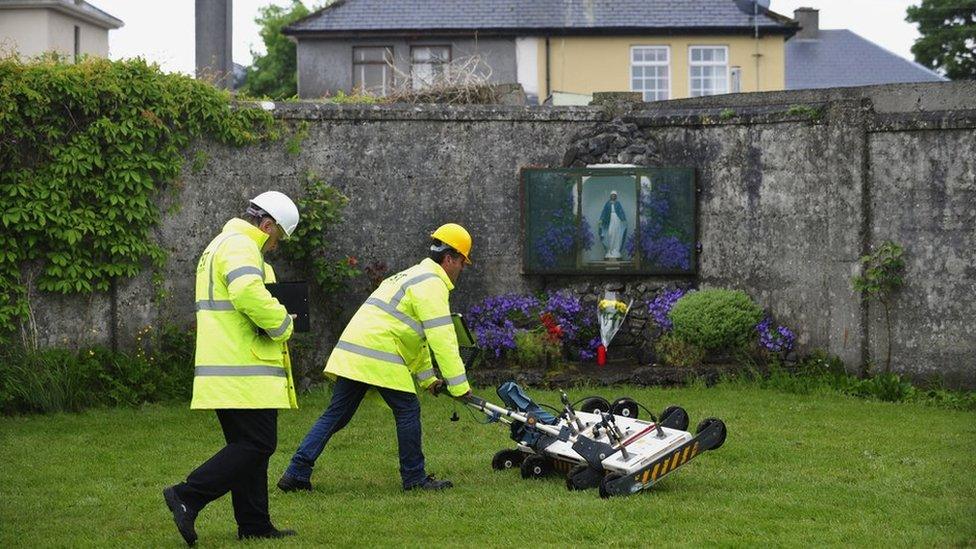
(793, 188)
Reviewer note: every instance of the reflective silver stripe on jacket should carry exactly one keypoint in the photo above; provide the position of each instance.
(240, 371)
(371, 353)
(426, 374)
(216, 305)
(456, 380)
(399, 315)
(439, 321)
(281, 329)
(398, 296)
(244, 271)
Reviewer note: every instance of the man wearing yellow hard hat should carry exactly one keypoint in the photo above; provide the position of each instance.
(386, 346)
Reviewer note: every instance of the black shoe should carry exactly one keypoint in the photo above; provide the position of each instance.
(430, 483)
(273, 533)
(182, 516)
(288, 483)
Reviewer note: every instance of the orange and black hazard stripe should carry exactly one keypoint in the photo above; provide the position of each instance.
(670, 462)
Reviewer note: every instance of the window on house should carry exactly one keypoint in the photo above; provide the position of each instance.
(709, 70)
(428, 64)
(77, 43)
(650, 72)
(372, 69)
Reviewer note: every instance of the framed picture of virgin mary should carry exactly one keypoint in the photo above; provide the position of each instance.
(620, 220)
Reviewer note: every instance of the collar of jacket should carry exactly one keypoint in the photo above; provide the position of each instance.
(433, 267)
(238, 225)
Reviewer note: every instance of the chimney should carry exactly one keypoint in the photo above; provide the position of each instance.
(809, 20)
(214, 20)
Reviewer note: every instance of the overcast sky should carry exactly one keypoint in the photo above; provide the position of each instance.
(163, 31)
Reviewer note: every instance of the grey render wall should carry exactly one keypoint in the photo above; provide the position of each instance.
(788, 201)
(923, 195)
(325, 65)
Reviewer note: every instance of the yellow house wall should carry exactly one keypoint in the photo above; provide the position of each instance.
(587, 64)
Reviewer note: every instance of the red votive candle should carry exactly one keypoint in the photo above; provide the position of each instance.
(601, 355)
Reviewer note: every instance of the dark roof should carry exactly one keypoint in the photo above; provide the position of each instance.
(520, 16)
(840, 58)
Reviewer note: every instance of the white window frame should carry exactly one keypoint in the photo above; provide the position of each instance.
(666, 64)
(360, 66)
(691, 64)
(418, 82)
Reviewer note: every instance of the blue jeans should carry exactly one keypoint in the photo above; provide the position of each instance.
(346, 396)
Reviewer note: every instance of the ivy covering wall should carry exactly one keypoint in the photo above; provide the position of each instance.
(85, 150)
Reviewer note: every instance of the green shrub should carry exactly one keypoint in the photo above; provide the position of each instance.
(533, 349)
(677, 352)
(715, 319)
(54, 380)
(823, 373)
(60, 380)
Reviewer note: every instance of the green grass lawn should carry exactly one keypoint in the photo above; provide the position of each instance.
(795, 471)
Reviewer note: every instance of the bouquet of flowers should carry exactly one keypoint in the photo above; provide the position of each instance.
(611, 314)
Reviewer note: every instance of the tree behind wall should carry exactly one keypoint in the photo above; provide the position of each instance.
(274, 74)
(948, 36)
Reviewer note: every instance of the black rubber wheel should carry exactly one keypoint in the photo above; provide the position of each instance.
(626, 407)
(535, 467)
(591, 404)
(506, 459)
(570, 477)
(583, 477)
(708, 422)
(603, 484)
(680, 420)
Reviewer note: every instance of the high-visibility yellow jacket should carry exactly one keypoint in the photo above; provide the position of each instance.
(393, 334)
(241, 357)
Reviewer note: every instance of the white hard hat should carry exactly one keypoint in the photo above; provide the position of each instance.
(279, 207)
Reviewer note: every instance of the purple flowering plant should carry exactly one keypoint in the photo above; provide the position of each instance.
(561, 235)
(497, 321)
(661, 305)
(779, 340)
(660, 245)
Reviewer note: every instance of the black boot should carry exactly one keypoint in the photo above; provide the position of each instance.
(288, 483)
(182, 516)
(273, 533)
(430, 483)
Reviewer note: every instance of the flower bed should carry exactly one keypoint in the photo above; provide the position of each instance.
(554, 324)
(550, 330)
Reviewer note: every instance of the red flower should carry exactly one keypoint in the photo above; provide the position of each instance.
(352, 261)
(553, 330)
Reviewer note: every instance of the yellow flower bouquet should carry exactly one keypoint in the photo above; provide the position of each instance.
(611, 314)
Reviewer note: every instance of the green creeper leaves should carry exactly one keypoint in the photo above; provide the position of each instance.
(321, 210)
(85, 148)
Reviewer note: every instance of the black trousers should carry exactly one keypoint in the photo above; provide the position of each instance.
(240, 467)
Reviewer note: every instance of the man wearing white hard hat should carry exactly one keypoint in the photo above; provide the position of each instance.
(242, 368)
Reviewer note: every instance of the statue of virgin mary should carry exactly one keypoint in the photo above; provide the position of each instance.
(613, 227)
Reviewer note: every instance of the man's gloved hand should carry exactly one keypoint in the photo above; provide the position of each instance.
(436, 387)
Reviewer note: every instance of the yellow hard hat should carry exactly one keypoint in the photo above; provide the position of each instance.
(456, 237)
